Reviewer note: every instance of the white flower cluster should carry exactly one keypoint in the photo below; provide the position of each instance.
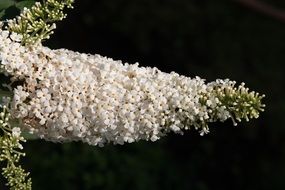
(63, 95)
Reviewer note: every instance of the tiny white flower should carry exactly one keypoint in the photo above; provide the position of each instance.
(16, 132)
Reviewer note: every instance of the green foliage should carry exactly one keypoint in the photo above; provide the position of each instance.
(74, 166)
(11, 8)
(26, 3)
(5, 4)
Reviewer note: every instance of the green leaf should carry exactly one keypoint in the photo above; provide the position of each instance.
(9, 13)
(10, 8)
(4, 4)
(27, 4)
(2, 13)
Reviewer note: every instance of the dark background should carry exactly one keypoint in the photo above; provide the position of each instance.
(210, 39)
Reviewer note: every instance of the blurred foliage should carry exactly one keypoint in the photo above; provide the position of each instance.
(10, 8)
(211, 39)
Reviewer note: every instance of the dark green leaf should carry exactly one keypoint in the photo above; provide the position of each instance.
(4, 4)
(10, 8)
(9, 13)
(27, 4)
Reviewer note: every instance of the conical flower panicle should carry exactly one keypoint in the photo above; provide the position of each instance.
(71, 96)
